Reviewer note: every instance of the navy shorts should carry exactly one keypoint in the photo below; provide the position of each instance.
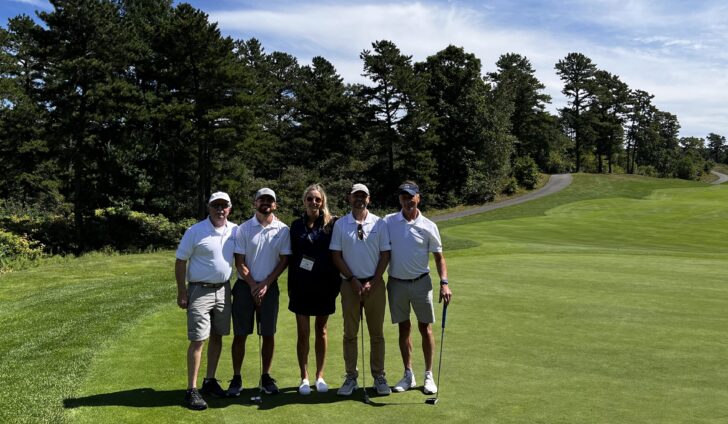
(244, 313)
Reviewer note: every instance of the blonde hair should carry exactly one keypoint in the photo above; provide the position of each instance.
(324, 203)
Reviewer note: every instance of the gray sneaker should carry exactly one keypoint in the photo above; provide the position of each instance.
(235, 387)
(348, 387)
(381, 386)
(407, 382)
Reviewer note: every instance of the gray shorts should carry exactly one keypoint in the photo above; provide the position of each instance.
(208, 311)
(244, 313)
(402, 294)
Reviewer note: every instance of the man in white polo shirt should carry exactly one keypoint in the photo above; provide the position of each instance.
(208, 248)
(413, 237)
(262, 246)
(360, 249)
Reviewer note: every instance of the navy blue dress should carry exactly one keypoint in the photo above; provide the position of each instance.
(312, 292)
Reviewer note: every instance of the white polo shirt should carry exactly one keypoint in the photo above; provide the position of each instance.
(412, 243)
(209, 251)
(262, 246)
(361, 256)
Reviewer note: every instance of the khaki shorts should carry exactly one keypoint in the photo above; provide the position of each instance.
(208, 311)
(418, 294)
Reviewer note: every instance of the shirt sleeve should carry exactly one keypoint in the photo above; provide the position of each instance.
(435, 241)
(336, 236)
(186, 246)
(240, 241)
(285, 248)
(384, 244)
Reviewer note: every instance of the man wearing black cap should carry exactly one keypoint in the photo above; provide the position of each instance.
(409, 285)
(202, 270)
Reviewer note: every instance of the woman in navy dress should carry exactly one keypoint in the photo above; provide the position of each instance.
(313, 282)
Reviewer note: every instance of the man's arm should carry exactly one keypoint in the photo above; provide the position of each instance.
(445, 292)
(384, 257)
(277, 271)
(243, 270)
(180, 274)
(343, 268)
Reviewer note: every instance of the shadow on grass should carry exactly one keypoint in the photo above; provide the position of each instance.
(151, 398)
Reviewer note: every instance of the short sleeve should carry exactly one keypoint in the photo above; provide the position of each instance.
(285, 248)
(186, 245)
(240, 242)
(384, 244)
(336, 236)
(435, 241)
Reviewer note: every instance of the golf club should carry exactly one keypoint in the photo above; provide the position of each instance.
(433, 401)
(258, 399)
(363, 361)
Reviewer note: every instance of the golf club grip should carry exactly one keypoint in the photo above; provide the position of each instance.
(444, 315)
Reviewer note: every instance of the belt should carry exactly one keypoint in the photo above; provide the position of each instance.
(412, 280)
(207, 285)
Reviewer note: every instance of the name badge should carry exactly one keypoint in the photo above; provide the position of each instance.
(307, 263)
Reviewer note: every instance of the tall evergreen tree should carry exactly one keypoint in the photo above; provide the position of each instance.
(84, 53)
(516, 79)
(577, 73)
(401, 120)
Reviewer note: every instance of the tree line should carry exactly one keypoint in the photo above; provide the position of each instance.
(144, 105)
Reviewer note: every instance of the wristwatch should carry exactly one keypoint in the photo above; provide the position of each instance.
(443, 282)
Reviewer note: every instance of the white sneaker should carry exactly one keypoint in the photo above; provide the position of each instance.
(429, 388)
(348, 387)
(321, 386)
(407, 382)
(381, 386)
(305, 387)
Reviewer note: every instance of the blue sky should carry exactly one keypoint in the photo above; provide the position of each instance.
(672, 49)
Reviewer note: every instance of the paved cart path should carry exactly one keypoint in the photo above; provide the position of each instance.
(556, 182)
(721, 177)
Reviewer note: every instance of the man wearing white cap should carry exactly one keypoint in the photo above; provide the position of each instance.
(262, 246)
(360, 249)
(413, 237)
(202, 270)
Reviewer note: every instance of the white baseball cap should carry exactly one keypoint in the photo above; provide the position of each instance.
(219, 195)
(359, 187)
(265, 191)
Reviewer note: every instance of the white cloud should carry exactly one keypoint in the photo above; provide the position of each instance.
(637, 40)
(37, 3)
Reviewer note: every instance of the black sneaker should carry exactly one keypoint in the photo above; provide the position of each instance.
(210, 386)
(268, 385)
(194, 401)
(236, 386)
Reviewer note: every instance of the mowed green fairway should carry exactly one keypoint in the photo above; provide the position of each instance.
(604, 303)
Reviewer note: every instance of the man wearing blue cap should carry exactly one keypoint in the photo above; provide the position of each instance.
(409, 285)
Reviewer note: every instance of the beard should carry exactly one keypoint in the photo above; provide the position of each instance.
(265, 209)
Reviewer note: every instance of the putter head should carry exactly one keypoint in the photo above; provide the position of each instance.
(256, 399)
(431, 401)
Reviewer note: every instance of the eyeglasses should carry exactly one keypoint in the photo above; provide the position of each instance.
(219, 207)
(360, 232)
(314, 199)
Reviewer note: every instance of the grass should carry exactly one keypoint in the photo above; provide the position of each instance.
(604, 303)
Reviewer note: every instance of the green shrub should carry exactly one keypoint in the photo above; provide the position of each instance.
(526, 172)
(510, 186)
(126, 230)
(15, 248)
(686, 169)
